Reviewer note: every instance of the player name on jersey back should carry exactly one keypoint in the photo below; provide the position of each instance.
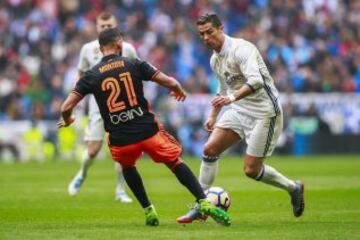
(111, 66)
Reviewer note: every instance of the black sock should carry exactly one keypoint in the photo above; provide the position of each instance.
(187, 178)
(135, 183)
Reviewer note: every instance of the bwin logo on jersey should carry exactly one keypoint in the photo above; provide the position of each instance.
(126, 115)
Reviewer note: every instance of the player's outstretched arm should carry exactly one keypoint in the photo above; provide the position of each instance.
(66, 110)
(171, 83)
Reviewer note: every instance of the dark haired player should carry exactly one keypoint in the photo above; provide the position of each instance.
(254, 114)
(116, 83)
(90, 55)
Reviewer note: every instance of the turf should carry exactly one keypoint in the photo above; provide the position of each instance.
(34, 203)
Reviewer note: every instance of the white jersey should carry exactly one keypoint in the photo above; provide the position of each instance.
(90, 55)
(238, 63)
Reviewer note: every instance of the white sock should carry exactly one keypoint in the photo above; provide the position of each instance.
(149, 207)
(85, 163)
(120, 186)
(269, 175)
(208, 172)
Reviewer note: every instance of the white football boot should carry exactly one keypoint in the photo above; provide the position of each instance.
(75, 184)
(121, 195)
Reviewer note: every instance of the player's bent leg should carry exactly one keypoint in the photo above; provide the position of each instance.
(219, 140)
(187, 179)
(120, 193)
(208, 172)
(93, 148)
(87, 160)
(205, 207)
(135, 183)
(254, 168)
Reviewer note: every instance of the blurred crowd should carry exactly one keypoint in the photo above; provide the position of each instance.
(309, 46)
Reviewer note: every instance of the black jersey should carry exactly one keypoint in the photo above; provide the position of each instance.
(116, 83)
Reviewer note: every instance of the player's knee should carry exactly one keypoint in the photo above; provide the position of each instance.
(93, 152)
(174, 164)
(251, 171)
(126, 167)
(210, 150)
(94, 148)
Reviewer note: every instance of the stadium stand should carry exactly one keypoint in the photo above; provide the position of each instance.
(309, 46)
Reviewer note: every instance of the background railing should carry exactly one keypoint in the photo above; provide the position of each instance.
(314, 123)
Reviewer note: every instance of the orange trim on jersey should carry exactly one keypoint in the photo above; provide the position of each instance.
(77, 93)
(156, 73)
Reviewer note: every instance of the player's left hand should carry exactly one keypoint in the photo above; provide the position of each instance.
(220, 101)
(63, 123)
(179, 96)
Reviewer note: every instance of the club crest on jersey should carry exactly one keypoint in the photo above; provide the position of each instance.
(125, 116)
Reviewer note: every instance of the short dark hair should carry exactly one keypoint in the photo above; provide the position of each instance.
(104, 16)
(108, 36)
(209, 17)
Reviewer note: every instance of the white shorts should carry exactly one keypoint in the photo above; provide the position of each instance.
(260, 135)
(95, 129)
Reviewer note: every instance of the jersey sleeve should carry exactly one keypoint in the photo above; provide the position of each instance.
(83, 86)
(248, 62)
(147, 70)
(83, 64)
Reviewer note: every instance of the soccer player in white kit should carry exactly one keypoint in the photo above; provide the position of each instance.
(90, 55)
(255, 114)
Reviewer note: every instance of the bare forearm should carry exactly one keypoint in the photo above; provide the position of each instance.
(66, 110)
(243, 92)
(215, 111)
(166, 81)
(69, 104)
(171, 83)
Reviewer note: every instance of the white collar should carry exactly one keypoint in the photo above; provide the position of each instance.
(225, 47)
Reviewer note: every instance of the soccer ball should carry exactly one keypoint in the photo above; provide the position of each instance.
(219, 197)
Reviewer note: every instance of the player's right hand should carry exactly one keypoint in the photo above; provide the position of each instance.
(63, 123)
(209, 124)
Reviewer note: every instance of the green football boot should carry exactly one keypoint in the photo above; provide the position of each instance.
(220, 216)
(151, 217)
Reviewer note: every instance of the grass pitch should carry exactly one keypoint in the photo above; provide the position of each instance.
(34, 203)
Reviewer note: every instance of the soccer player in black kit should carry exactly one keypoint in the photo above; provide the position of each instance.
(116, 83)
